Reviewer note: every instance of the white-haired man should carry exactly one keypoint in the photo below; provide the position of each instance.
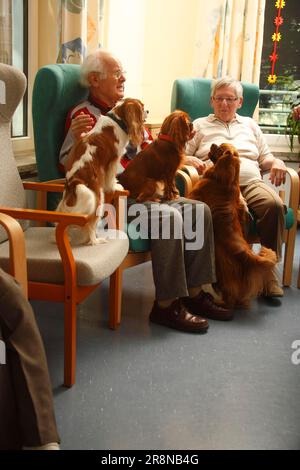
(226, 125)
(103, 74)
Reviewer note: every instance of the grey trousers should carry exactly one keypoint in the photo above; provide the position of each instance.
(182, 245)
(26, 402)
(269, 210)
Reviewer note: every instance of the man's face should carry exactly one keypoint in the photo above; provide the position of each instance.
(109, 89)
(225, 103)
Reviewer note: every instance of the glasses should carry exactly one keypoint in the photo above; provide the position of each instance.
(118, 74)
(220, 99)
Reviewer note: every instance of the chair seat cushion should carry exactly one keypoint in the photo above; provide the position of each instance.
(93, 263)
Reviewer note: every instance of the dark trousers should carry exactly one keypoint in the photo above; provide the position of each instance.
(26, 402)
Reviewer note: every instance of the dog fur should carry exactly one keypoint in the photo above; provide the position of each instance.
(92, 166)
(241, 274)
(150, 176)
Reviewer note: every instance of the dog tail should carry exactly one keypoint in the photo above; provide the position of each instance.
(256, 269)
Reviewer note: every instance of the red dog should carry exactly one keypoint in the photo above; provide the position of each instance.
(151, 174)
(92, 166)
(241, 274)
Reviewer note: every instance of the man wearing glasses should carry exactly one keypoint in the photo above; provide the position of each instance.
(226, 125)
(103, 75)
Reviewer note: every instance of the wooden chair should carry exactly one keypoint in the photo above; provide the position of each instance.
(55, 271)
(192, 95)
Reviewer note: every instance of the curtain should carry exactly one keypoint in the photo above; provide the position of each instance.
(78, 28)
(229, 39)
(6, 32)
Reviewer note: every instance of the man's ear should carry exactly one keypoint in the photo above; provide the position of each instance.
(93, 78)
(240, 102)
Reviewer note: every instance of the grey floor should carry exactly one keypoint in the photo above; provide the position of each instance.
(148, 387)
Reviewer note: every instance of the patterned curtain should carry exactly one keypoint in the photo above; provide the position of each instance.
(78, 29)
(229, 42)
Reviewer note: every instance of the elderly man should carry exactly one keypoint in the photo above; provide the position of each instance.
(178, 271)
(103, 74)
(225, 125)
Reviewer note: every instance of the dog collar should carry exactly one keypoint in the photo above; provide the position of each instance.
(165, 137)
(120, 123)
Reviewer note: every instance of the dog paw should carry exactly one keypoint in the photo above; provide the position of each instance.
(98, 241)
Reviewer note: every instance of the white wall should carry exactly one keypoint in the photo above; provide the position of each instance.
(155, 40)
(125, 38)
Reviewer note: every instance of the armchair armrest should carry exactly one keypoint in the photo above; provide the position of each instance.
(51, 187)
(293, 200)
(17, 255)
(192, 172)
(42, 188)
(63, 243)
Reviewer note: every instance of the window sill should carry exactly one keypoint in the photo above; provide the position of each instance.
(287, 156)
(26, 165)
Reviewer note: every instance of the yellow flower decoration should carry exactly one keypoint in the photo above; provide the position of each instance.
(280, 4)
(276, 37)
(272, 78)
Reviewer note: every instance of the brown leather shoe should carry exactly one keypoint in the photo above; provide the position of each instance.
(203, 304)
(178, 316)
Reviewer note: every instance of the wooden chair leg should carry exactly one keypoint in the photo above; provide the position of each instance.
(289, 256)
(115, 299)
(70, 342)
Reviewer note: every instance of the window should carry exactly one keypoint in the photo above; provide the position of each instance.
(276, 99)
(13, 30)
(15, 44)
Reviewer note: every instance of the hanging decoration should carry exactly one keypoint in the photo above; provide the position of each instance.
(276, 37)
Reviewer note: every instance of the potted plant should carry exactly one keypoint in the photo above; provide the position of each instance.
(293, 125)
(289, 101)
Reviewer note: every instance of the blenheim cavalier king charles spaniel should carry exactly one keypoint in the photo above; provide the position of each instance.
(241, 274)
(92, 166)
(150, 176)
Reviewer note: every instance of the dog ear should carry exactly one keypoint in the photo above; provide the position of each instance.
(132, 112)
(177, 126)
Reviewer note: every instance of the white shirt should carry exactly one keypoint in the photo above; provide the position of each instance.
(242, 132)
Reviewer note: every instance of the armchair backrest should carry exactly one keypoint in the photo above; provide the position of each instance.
(192, 95)
(56, 90)
(12, 89)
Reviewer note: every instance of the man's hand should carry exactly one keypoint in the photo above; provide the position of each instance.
(196, 163)
(81, 124)
(277, 172)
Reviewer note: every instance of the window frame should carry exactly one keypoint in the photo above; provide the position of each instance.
(25, 144)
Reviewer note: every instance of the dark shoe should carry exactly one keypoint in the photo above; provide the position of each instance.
(203, 304)
(177, 316)
(273, 289)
